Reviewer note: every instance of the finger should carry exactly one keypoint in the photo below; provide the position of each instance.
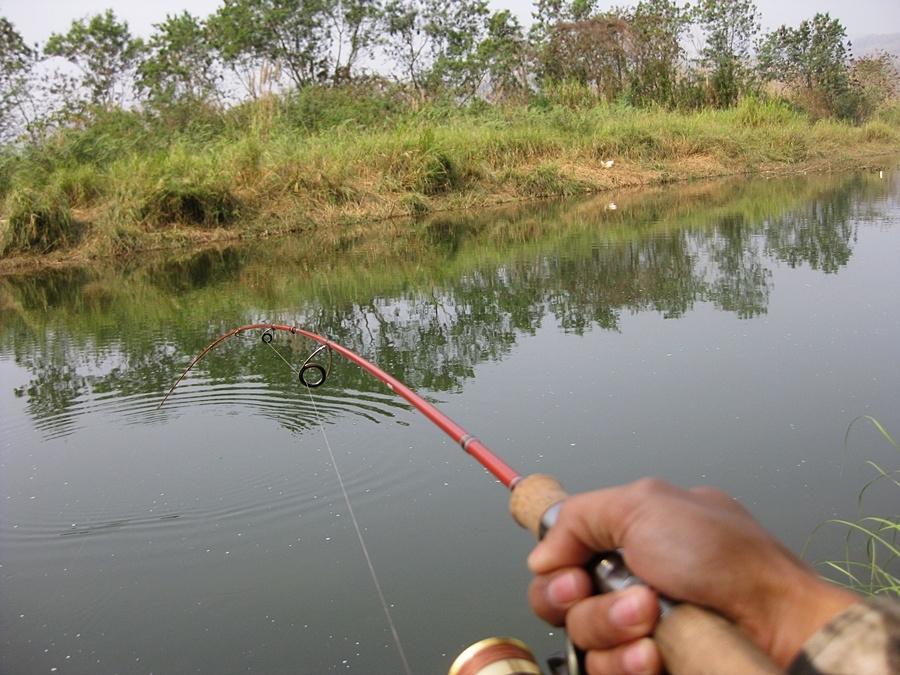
(593, 521)
(550, 596)
(637, 658)
(609, 620)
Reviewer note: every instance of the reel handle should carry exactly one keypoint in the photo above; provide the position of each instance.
(692, 640)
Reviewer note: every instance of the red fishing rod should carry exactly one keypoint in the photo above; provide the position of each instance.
(692, 640)
(496, 466)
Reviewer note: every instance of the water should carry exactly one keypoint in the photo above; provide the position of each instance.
(722, 333)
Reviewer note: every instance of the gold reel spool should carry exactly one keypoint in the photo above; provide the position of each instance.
(496, 656)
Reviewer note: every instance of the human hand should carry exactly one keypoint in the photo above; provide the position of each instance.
(698, 546)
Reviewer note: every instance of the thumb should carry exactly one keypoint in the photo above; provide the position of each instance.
(587, 523)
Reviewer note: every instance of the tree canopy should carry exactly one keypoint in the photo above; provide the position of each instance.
(453, 50)
(104, 51)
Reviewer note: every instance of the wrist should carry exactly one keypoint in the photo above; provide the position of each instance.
(809, 605)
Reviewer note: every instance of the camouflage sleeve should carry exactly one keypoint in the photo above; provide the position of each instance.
(864, 639)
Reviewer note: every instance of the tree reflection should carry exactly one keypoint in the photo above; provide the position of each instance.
(428, 303)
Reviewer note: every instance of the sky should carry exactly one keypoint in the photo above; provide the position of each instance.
(37, 19)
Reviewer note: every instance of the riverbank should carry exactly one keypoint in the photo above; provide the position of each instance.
(117, 187)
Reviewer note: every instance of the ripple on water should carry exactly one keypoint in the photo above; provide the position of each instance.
(255, 495)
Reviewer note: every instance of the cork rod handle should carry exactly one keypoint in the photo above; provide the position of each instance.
(692, 640)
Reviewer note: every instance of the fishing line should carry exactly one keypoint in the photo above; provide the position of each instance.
(359, 535)
(535, 504)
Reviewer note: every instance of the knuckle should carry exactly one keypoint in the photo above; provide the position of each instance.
(715, 496)
(710, 492)
(650, 486)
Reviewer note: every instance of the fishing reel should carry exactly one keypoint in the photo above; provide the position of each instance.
(509, 656)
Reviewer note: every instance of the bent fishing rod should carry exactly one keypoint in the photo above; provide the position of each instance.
(691, 639)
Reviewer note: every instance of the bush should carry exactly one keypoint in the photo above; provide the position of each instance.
(101, 138)
(362, 105)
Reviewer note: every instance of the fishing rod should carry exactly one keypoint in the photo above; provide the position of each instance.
(692, 640)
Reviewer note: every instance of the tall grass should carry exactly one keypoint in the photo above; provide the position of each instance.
(871, 558)
(325, 155)
(38, 219)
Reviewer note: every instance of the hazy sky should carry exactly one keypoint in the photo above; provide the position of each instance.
(36, 19)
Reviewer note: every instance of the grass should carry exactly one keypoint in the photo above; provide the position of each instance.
(37, 219)
(322, 157)
(871, 559)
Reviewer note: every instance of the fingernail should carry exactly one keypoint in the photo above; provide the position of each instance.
(626, 611)
(637, 658)
(562, 590)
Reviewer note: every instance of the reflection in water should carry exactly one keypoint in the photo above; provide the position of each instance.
(90, 338)
(199, 538)
(198, 271)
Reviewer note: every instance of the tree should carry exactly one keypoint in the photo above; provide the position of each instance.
(354, 25)
(179, 65)
(730, 27)
(814, 57)
(548, 14)
(16, 59)
(592, 52)
(657, 27)
(874, 80)
(504, 55)
(104, 51)
(435, 44)
(289, 34)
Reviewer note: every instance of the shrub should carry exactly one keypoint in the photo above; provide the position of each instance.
(316, 108)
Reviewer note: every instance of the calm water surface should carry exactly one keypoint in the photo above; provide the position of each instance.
(725, 333)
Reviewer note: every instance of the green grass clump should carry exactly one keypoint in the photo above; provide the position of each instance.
(889, 114)
(438, 173)
(188, 203)
(37, 220)
(102, 137)
(81, 185)
(871, 560)
(877, 130)
(183, 186)
(547, 180)
(754, 113)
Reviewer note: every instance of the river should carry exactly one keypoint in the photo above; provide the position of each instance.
(725, 333)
